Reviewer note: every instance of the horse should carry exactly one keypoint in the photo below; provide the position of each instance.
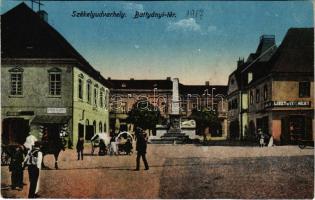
(53, 147)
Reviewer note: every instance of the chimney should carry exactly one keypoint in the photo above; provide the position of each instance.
(207, 83)
(240, 62)
(43, 15)
(168, 78)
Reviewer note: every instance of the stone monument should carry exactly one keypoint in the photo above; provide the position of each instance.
(174, 116)
(174, 133)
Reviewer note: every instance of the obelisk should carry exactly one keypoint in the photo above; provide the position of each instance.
(175, 97)
(174, 115)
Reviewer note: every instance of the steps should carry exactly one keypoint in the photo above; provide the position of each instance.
(172, 138)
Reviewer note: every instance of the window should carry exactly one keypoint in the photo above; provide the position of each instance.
(250, 77)
(257, 95)
(16, 77)
(102, 97)
(94, 126)
(95, 95)
(304, 89)
(265, 92)
(80, 94)
(251, 96)
(100, 127)
(232, 81)
(54, 81)
(106, 99)
(105, 127)
(88, 91)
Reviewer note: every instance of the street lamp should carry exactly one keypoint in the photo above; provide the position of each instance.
(212, 97)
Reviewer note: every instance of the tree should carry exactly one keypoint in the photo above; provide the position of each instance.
(144, 115)
(205, 119)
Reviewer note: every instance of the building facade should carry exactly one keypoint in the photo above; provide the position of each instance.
(238, 94)
(275, 94)
(281, 96)
(40, 81)
(126, 93)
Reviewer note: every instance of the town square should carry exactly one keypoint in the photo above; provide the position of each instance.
(157, 100)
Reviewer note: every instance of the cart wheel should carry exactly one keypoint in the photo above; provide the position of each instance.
(301, 145)
(5, 158)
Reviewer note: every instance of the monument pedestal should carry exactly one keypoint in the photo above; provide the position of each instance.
(174, 133)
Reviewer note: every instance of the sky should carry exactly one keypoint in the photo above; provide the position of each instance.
(192, 47)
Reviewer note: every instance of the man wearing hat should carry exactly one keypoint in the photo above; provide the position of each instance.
(141, 148)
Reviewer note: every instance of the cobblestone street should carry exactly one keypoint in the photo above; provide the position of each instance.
(178, 171)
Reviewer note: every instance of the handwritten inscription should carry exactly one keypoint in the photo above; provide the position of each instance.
(195, 13)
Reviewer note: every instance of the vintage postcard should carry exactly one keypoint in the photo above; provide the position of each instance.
(157, 99)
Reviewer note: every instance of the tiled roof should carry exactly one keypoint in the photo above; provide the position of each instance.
(141, 84)
(296, 52)
(25, 35)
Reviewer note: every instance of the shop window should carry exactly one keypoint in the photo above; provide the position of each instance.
(16, 77)
(304, 89)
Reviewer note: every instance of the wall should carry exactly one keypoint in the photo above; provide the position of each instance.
(82, 110)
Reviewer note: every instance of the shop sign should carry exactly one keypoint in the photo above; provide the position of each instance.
(287, 104)
(56, 110)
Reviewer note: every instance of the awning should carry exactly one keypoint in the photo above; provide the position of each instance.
(46, 119)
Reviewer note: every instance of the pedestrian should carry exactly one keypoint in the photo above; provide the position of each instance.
(33, 161)
(128, 147)
(113, 146)
(80, 148)
(102, 148)
(30, 141)
(16, 168)
(141, 147)
(261, 138)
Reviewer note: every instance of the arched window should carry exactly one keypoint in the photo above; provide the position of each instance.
(88, 90)
(94, 125)
(100, 127)
(80, 86)
(105, 128)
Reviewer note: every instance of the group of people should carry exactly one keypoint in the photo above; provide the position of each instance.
(30, 156)
(141, 147)
(27, 156)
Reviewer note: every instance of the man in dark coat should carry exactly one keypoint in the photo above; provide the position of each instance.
(16, 168)
(141, 148)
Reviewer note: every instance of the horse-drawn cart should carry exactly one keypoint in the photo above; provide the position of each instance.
(98, 140)
(302, 142)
